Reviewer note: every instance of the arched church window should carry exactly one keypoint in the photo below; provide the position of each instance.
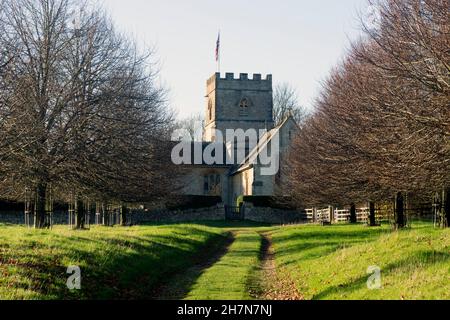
(210, 105)
(244, 105)
(212, 184)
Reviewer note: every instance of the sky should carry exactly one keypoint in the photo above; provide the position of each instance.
(297, 41)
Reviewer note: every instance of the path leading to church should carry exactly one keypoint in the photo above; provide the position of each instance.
(241, 266)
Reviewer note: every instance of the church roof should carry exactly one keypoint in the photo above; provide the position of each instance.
(200, 146)
(262, 144)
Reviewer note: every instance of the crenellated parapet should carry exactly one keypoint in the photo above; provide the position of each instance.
(239, 81)
(238, 102)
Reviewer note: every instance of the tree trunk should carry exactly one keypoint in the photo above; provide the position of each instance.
(353, 218)
(105, 214)
(80, 215)
(39, 218)
(446, 208)
(372, 221)
(399, 211)
(123, 216)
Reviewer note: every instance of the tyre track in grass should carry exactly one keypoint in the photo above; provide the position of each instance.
(267, 283)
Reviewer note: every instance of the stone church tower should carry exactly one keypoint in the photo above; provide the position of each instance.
(241, 103)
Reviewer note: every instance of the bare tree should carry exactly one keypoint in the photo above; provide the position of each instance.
(381, 129)
(84, 114)
(193, 125)
(413, 38)
(285, 103)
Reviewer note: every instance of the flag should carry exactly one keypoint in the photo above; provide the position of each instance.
(218, 48)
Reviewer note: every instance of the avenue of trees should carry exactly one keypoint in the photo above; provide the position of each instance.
(381, 130)
(81, 114)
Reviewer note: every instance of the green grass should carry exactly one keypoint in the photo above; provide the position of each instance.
(331, 262)
(115, 262)
(228, 278)
(135, 263)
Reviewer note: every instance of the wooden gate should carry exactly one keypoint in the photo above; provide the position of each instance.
(234, 213)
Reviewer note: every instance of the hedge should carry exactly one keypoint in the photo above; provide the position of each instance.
(192, 202)
(284, 203)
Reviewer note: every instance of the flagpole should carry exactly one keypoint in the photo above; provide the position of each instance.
(219, 53)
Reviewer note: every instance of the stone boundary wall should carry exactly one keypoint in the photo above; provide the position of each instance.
(134, 217)
(274, 216)
(18, 217)
(215, 213)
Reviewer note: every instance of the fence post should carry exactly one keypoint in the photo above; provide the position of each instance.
(353, 217)
(399, 211)
(446, 206)
(372, 221)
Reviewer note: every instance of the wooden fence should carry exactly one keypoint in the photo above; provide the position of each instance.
(339, 215)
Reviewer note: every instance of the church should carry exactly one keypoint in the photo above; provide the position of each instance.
(243, 105)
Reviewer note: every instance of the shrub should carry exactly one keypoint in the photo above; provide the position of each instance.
(192, 202)
(284, 203)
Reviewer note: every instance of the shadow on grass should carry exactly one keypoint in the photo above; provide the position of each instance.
(105, 275)
(313, 242)
(422, 258)
(178, 285)
(156, 258)
(114, 266)
(214, 223)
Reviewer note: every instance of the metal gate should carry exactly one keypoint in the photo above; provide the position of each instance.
(234, 213)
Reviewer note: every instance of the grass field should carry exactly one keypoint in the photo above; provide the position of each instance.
(115, 262)
(228, 278)
(331, 262)
(199, 261)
